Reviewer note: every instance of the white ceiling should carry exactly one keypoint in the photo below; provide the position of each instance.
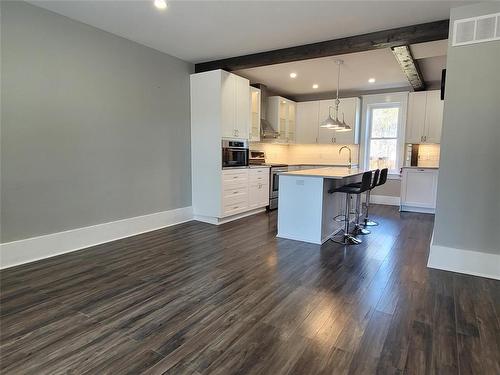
(355, 72)
(198, 31)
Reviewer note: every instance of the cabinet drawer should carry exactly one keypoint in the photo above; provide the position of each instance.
(258, 175)
(231, 193)
(234, 179)
(235, 207)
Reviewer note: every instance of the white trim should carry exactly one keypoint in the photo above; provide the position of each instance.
(46, 246)
(218, 221)
(371, 100)
(464, 261)
(423, 210)
(385, 199)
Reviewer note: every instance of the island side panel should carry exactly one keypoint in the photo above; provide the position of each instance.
(333, 206)
(300, 212)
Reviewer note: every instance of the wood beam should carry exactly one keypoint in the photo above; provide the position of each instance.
(409, 66)
(426, 32)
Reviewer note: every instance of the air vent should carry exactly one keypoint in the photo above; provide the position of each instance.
(476, 30)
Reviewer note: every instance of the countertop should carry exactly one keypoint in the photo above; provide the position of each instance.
(417, 167)
(336, 173)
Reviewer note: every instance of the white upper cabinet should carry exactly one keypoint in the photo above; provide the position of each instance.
(434, 117)
(254, 114)
(307, 122)
(281, 114)
(425, 117)
(350, 109)
(235, 105)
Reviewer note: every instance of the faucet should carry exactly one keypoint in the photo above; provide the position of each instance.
(349, 165)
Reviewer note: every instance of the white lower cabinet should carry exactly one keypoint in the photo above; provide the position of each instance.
(419, 189)
(244, 190)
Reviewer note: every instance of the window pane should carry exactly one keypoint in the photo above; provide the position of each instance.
(385, 122)
(383, 153)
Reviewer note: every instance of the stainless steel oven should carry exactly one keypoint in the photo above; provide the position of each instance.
(274, 185)
(234, 153)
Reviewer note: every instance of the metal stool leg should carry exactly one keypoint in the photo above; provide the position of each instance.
(347, 238)
(367, 222)
(358, 227)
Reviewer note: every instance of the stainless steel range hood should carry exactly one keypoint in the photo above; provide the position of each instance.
(267, 132)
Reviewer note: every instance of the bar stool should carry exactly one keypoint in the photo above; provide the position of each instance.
(347, 238)
(358, 227)
(382, 179)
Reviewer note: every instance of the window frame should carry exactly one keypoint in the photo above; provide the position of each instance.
(371, 108)
(378, 100)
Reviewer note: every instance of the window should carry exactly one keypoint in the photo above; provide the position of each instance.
(383, 143)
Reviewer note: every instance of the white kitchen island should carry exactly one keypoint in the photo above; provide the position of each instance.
(306, 210)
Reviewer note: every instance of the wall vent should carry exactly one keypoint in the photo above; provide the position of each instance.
(476, 29)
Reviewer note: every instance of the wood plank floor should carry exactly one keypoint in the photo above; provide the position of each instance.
(200, 299)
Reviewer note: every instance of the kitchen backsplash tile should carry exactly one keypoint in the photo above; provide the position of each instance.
(305, 154)
(428, 155)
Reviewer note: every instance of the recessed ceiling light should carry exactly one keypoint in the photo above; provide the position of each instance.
(371, 80)
(160, 4)
(315, 86)
(283, 102)
(293, 75)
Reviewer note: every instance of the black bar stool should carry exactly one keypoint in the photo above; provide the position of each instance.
(381, 180)
(358, 227)
(347, 238)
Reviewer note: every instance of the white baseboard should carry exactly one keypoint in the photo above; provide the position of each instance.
(36, 248)
(385, 199)
(464, 261)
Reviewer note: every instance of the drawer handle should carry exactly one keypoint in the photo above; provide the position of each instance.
(235, 192)
(235, 207)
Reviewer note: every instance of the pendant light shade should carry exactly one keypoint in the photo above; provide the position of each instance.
(333, 122)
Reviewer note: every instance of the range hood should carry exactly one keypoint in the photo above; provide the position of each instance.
(267, 132)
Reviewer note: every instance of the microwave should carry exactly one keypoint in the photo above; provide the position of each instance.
(234, 153)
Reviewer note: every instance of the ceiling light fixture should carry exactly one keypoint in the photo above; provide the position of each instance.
(371, 80)
(315, 86)
(160, 4)
(293, 75)
(333, 122)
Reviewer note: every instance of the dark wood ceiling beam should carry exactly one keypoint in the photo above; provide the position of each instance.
(409, 66)
(426, 32)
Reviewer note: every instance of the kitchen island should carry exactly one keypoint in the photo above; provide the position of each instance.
(307, 211)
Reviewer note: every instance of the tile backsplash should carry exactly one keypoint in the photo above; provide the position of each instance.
(428, 155)
(305, 153)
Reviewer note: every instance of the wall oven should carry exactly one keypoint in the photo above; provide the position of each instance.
(234, 153)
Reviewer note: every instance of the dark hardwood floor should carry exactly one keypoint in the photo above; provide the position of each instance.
(200, 299)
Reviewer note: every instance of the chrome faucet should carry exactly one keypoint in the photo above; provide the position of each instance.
(349, 165)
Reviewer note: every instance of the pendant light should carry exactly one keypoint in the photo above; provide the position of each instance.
(333, 122)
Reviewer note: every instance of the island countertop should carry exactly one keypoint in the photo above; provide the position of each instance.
(336, 173)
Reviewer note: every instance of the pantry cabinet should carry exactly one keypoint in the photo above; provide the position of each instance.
(425, 117)
(281, 114)
(235, 105)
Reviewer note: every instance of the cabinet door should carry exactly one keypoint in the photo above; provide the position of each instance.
(419, 187)
(415, 122)
(242, 107)
(325, 135)
(258, 195)
(348, 110)
(433, 117)
(254, 114)
(291, 123)
(307, 122)
(228, 105)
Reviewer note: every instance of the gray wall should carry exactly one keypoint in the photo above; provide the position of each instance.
(468, 201)
(95, 128)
